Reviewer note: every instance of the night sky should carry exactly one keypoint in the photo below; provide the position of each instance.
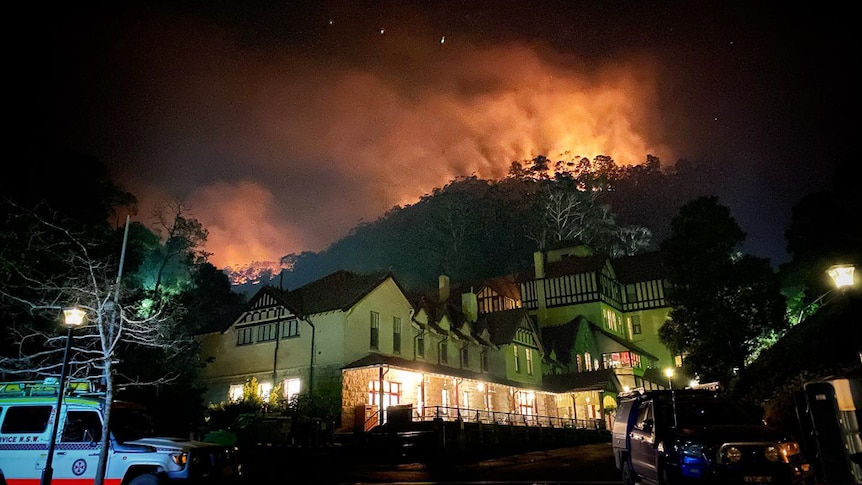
(284, 124)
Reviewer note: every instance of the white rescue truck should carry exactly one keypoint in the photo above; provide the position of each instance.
(136, 456)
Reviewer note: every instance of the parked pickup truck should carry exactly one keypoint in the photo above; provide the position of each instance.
(695, 436)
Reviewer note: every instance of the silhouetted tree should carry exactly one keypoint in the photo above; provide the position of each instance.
(722, 301)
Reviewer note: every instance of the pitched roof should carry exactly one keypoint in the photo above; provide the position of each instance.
(504, 286)
(561, 338)
(603, 379)
(221, 323)
(575, 265)
(640, 267)
(337, 291)
(503, 325)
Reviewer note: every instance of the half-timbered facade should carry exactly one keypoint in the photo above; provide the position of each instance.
(360, 336)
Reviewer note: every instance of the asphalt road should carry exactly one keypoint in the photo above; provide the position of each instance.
(590, 464)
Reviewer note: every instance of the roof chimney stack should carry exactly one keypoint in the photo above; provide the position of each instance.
(443, 285)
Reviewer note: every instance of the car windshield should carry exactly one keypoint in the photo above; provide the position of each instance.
(128, 424)
(705, 412)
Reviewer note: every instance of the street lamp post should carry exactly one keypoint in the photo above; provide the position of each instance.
(843, 275)
(669, 373)
(72, 317)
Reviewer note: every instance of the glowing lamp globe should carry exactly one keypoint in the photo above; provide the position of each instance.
(841, 274)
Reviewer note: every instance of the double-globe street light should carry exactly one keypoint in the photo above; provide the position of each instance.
(72, 317)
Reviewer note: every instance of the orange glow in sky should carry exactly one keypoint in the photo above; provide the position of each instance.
(470, 112)
(287, 150)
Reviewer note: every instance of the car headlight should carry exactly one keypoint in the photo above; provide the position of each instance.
(782, 451)
(733, 454)
(180, 459)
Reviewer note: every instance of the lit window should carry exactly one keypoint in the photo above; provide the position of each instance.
(235, 393)
(291, 387)
(391, 393)
(588, 361)
(529, 362)
(611, 320)
(264, 389)
(517, 358)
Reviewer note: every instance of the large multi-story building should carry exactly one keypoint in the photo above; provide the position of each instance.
(558, 343)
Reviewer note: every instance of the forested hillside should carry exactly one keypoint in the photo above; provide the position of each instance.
(474, 228)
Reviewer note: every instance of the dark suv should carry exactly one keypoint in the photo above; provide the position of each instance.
(695, 436)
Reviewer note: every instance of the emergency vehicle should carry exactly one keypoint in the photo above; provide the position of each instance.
(136, 456)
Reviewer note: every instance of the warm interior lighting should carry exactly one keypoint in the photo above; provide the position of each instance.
(73, 317)
(841, 274)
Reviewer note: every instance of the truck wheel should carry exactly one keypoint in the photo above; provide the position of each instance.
(628, 473)
(147, 479)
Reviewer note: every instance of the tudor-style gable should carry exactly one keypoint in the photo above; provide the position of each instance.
(518, 347)
(308, 333)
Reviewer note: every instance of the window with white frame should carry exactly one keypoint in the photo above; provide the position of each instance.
(420, 346)
(375, 330)
(235, 393)
(291, 388)
(290, 328)
(245, 336)
(634, 324)
(267, 332)
(517, 359)
(529, 361)
(264, 389)
(526, 403)
(391, 393)
(396, 335)
(611, 322)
